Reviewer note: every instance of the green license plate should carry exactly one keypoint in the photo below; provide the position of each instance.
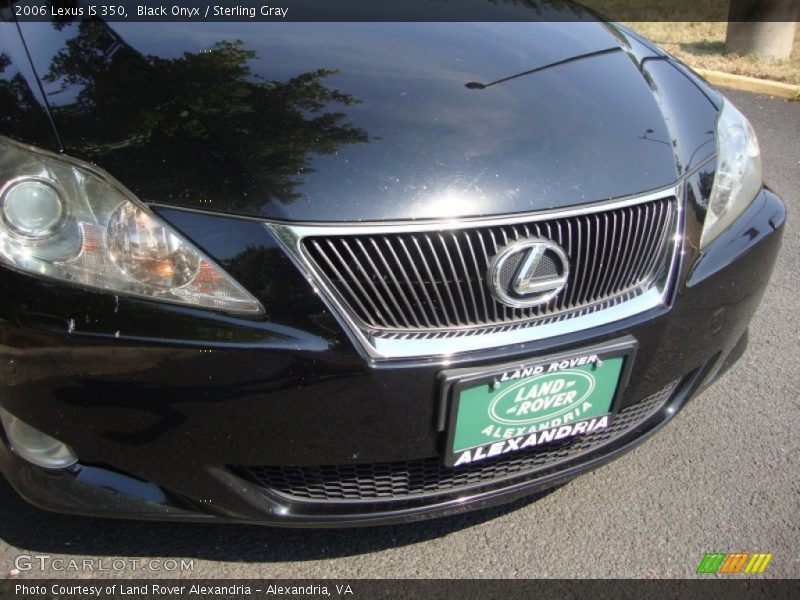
(525, 406)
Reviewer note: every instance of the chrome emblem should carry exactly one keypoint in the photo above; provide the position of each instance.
(528, 272)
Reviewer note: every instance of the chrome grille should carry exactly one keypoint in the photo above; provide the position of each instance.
(436, 280)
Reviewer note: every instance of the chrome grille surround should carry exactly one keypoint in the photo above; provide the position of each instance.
(384, 280)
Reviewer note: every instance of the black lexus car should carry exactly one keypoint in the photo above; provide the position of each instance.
(331, 274)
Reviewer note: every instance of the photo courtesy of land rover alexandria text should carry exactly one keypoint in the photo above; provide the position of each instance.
(328, 274)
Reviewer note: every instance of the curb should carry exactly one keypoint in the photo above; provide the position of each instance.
(786, 91)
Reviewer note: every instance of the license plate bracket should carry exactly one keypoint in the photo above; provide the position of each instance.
(502, 409)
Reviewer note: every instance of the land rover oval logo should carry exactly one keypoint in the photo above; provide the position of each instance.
(529, 272)
(542, 398)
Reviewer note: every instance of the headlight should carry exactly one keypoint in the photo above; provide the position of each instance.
(66, 220)
(738, 176)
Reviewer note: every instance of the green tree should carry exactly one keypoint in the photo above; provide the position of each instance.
(199, 127)
(21, 115)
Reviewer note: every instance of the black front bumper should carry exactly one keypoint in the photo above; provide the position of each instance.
(180, 418)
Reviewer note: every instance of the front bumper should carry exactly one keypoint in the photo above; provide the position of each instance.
(164, 421)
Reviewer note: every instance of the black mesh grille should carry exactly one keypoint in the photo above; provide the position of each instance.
(547, 267)
(435, 281)
(408, 479)
(509, 269)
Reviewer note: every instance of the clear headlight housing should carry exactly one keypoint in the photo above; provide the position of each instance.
(66, 220)
(738, 176)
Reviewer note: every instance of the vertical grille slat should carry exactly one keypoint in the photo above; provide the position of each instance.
(356, 298)
(429, 310)
(443, 282)
(483, 266)
(663, 216)
(597, 261)
(636, 253)
(389, 317)
(630, 252)
(531, 311)
(401, 269)
(626, 218)
(475, 316)
(652, 241)
(650, 224)
(496, 246)
(576, 257)
(407, 281)
(456, 283)
(388, 276)
(399, 313)
(587, 252)
(431, 283)
(478, 279)
(611, 252)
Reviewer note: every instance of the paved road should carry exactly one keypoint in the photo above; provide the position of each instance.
(722, 476)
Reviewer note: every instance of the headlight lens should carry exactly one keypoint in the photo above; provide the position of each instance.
(148, 252)
(66, 220)
(738, 176)
(32, 207)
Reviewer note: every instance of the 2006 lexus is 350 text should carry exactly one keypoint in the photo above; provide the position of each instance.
(330, 274)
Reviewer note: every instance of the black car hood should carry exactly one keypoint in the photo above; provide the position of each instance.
(344, 122)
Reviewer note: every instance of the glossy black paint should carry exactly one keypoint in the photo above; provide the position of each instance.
(244, 119)
(23, 112)
(158, 399)
(175, 412)
(92, 489)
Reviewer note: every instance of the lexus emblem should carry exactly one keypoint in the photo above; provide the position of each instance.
(529, 272)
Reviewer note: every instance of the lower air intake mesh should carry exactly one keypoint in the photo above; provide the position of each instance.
(428, 476)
